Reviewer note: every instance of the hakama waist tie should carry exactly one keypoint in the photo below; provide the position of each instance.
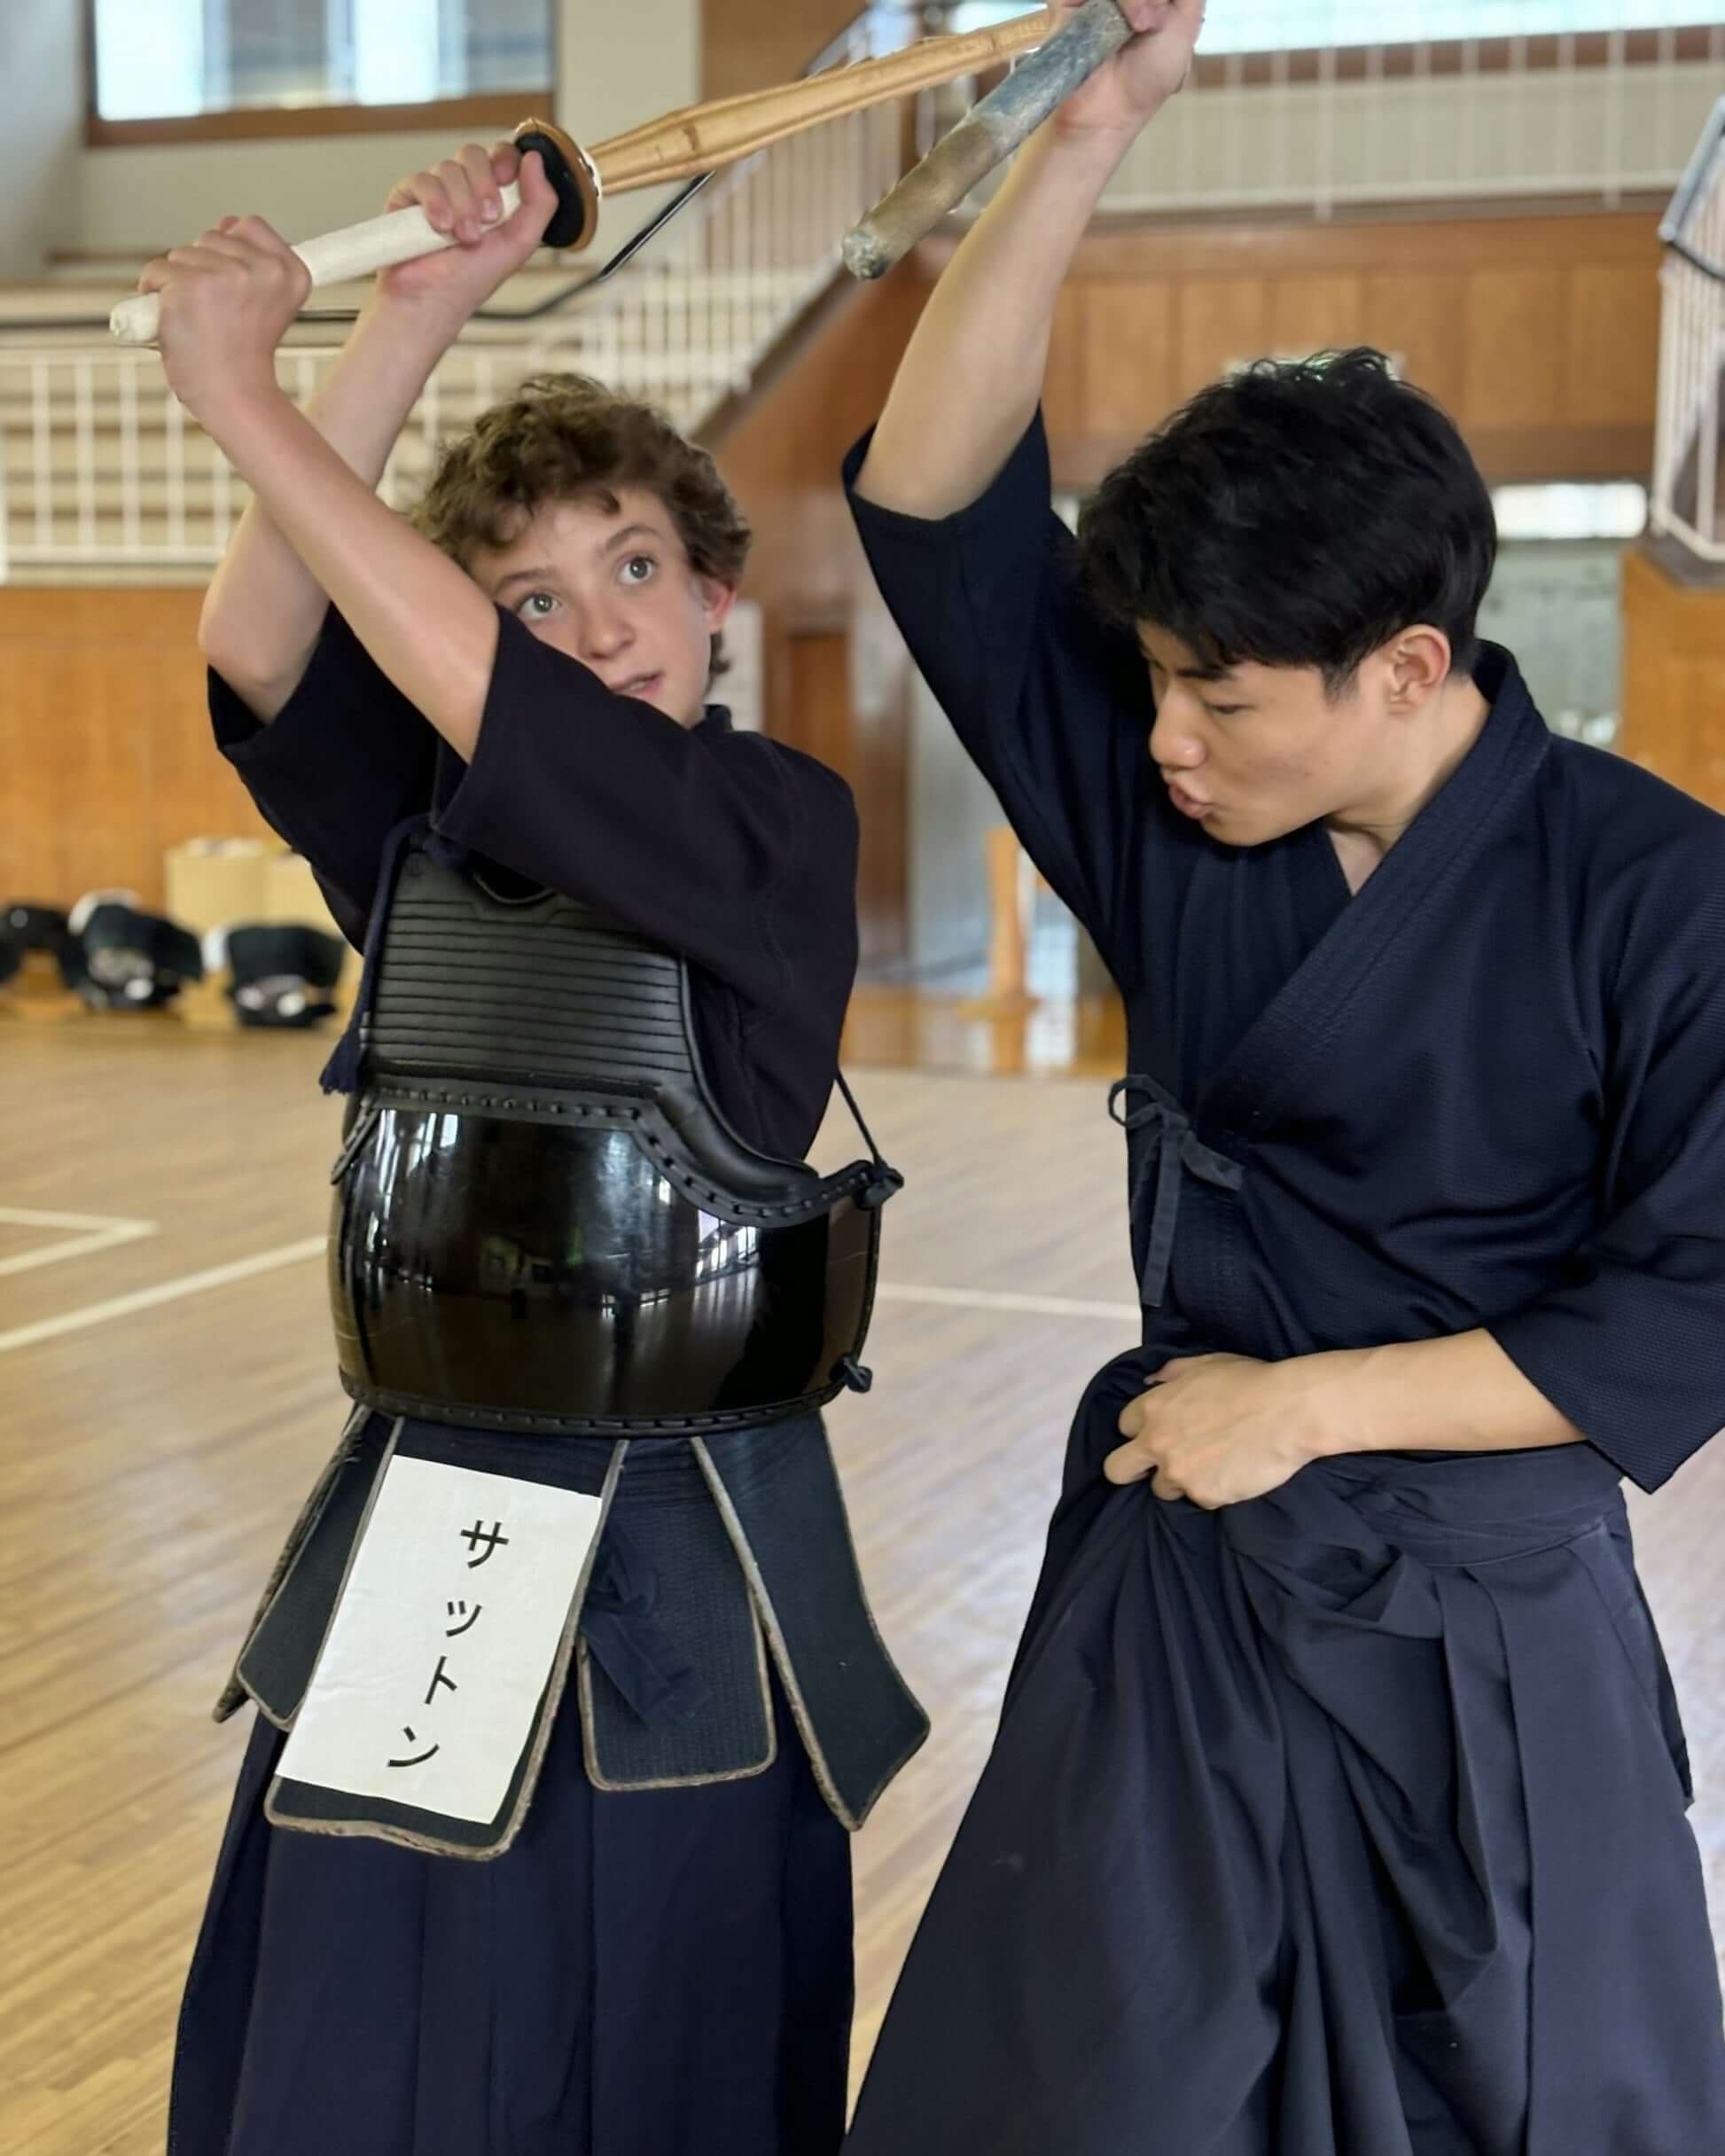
(1348, 1821)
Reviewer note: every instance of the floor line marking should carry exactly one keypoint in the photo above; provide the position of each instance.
(101, 1235)
(21, 1216)
(166, 1291)
(983, 1299)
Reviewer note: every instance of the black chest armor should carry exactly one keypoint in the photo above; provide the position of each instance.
(542, 1220)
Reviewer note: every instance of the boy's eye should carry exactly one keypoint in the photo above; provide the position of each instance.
(1224, 711)
(638, 568)
(537, 605)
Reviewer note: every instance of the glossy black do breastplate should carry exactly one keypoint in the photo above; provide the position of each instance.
(541, 1220)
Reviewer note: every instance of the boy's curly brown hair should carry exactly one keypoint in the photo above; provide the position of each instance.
(567, 438)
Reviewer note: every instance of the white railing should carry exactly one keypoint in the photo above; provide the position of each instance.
(1688, 485)
(103, 473)
(1313, 106)
(1343, 128)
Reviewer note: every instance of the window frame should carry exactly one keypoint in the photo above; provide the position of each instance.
(484, 111)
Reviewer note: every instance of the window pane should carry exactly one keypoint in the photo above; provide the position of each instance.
(506, 45)
(396, 51)
(277, 52)
(158, 59)
(150, 59)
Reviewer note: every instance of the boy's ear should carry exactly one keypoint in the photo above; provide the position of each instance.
(717, 599)
(1418, 661)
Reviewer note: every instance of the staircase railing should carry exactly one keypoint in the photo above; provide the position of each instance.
(1688, 473)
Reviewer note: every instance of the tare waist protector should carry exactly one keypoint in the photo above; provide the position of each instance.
(541, 1220)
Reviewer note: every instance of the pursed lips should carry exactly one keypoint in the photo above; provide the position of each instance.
(1188, 804)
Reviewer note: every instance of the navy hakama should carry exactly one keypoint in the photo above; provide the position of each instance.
(1282, 1798)
(664, 1972)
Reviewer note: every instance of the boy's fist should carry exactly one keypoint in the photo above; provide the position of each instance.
(1141, 78)
(226, 301)
(462, 196)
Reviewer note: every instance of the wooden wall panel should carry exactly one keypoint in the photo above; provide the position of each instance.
(1423, 318)
(1538, 333)
(1067, 389)
(1308, 314)
(106, 757)
(1130, 360)
(1221, 320)
(1516, 364)
(1613, 336)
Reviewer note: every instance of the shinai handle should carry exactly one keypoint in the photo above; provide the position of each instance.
(398, 236)
(987, 135)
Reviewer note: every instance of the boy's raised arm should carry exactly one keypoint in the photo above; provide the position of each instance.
(265, 606)
(971, 378)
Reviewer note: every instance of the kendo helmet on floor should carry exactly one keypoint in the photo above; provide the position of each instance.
(282, 973)
(30, 927)
(121, 958)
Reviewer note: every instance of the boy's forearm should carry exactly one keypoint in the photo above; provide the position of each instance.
(972, 377)
(264, 607)
(425, 621)
(1462, 1393)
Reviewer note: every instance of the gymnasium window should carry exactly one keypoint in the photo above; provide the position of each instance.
(160, 59)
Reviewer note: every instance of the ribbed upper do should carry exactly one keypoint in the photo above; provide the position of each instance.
(546, 987)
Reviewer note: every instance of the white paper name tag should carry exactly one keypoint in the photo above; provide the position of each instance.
(443, 1638)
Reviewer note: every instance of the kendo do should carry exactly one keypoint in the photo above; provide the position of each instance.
(1337, 1804)
(577, 1263)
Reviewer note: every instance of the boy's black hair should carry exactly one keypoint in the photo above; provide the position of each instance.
(1300, 513)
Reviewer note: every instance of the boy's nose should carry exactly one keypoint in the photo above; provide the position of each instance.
(1173, 744)
(603, 632)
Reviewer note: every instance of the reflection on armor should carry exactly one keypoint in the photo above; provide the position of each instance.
(519, 1270)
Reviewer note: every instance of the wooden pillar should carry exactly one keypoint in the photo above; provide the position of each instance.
(869, 747)
(1674, 670)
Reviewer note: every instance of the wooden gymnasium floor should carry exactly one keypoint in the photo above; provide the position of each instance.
(165, 1398)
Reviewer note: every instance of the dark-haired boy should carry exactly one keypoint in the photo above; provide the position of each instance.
(553, 1857)
(1337, 1804)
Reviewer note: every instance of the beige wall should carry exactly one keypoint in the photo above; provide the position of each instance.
(133, 202)
(41, 108)
(617, 66)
